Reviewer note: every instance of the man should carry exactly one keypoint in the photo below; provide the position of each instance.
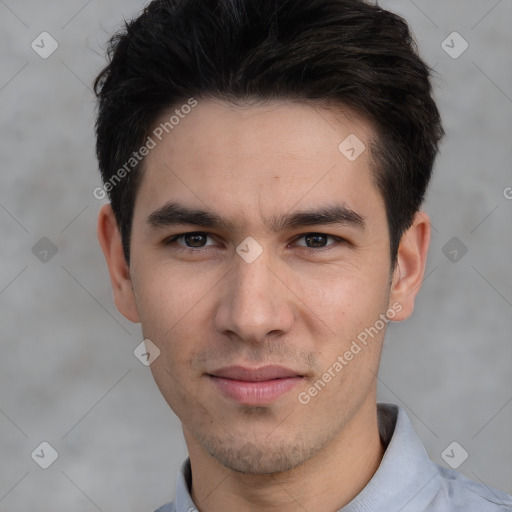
(266, 162)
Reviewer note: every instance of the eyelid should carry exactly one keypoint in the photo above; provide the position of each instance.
(336, 239)
(174, 239)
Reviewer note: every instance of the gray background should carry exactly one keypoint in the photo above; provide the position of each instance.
(68, 373)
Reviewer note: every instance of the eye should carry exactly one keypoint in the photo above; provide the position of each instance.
(194, 240)
(317, 240)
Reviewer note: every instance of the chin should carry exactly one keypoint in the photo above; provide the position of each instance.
(261, 458)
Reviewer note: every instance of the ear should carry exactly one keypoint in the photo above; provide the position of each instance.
(111, 244)
(410, 266)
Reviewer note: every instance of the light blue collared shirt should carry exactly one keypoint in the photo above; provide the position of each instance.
(406, 480)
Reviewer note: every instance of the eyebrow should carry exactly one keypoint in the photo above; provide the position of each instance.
(173, 213)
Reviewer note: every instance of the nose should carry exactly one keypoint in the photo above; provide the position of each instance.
(256, 301)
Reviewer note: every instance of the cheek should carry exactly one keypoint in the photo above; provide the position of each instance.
(347, 334)
(346, 300)
(166, 296)
(170, 304)
(175, 308)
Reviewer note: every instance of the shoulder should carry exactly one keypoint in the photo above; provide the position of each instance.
(468, 496)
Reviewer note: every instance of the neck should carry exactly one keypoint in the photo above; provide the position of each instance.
(327, 481)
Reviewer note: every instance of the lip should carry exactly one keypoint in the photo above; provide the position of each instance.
(263, 373)
(255, 386)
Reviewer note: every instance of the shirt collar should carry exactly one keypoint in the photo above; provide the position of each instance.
(403, 472)
(405, 468)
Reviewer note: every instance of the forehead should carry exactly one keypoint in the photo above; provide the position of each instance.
(243, 160)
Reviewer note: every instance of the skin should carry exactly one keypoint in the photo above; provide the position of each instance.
(296, 306)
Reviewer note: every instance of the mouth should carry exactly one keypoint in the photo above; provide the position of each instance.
(255, 386)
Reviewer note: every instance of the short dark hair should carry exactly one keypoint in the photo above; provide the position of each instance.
(340, 52)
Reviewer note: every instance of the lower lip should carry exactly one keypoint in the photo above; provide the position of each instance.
(255, 393)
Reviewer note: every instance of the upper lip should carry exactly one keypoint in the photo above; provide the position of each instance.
(260, 374)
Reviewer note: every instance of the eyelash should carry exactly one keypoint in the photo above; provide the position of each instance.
(174, 241)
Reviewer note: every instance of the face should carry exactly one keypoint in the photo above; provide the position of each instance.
(260, 269)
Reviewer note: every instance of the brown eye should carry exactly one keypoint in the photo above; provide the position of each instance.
(194, 240)
(317, 240)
